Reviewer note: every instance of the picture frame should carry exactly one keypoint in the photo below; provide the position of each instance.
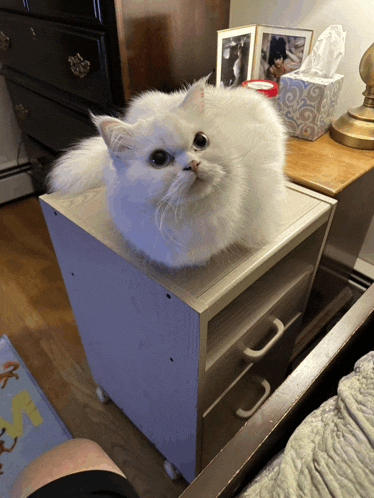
(235, 53)
(260, 52)
(292, 44)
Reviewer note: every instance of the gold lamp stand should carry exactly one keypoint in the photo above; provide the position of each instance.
(356, 127)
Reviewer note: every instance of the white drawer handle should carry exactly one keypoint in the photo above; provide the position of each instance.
(246, 414)
(250, 355)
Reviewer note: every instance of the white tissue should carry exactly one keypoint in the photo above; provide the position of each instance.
(328, 51)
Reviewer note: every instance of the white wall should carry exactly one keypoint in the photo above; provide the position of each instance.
(355, 16)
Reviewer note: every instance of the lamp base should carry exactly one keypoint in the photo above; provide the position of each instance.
(355, 128)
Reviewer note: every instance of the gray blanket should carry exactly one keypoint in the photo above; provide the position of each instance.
(331, 453)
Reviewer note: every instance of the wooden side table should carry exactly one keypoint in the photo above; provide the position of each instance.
(345, 174)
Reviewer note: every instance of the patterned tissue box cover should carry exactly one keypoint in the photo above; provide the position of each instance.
(308, 105)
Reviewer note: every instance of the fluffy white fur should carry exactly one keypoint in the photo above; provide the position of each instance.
(178, 216)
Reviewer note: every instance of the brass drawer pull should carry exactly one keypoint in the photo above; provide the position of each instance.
(251, 355)
(21, 111)
(79, 66)
(265, 384)
(4, 41)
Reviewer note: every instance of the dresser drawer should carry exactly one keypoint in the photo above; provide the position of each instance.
(50, 123)
(14, 5)
(85, 10)
(71, 59)
(41, 160)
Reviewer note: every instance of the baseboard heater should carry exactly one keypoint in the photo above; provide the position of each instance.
(15, 180)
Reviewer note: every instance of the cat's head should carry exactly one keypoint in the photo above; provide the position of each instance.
(171, 156)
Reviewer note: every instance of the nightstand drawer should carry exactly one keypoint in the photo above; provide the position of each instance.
(222, 422)
(257, 302)
(70, 59)
(52, 124)
(256, 343)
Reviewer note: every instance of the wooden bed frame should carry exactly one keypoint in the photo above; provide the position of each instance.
(312, 382)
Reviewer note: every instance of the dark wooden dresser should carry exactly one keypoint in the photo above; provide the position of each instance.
(60, 58)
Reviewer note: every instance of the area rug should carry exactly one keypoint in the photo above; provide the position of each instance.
(29, 425)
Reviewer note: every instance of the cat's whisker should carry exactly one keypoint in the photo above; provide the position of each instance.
(160, 219)
(157, 211)
(223, 182)
(156, 216)
(179, 206)
(161, 223)
(178, 199)
(166, 205)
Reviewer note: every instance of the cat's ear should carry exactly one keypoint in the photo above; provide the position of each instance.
(194, 101)
(116, 134)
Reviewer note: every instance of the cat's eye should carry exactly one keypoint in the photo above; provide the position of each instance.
(160, 158)
(201, 141)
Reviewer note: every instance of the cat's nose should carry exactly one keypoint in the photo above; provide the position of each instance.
(192, 165)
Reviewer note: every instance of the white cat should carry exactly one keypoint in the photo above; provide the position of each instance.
(187, 174)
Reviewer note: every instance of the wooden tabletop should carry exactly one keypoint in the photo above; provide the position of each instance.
(325, 165)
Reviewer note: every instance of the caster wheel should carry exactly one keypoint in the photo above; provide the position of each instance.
(102, 395)
(171, 471)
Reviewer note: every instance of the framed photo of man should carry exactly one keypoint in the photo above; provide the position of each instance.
(235, 51)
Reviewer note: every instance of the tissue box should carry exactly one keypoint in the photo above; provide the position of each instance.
(308, 104)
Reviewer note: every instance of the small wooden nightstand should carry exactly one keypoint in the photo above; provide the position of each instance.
(188, 355)
(345, 174)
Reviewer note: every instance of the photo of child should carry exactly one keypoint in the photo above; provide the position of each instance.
(280, 55)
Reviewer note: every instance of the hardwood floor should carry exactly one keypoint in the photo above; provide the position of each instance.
(36, 315)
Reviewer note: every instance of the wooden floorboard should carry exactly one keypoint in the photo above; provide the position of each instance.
(36, 315)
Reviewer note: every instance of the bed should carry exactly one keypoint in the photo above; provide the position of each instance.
(314, 437)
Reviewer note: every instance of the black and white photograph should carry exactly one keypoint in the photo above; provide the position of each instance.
(279, 51)
(235, 55)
